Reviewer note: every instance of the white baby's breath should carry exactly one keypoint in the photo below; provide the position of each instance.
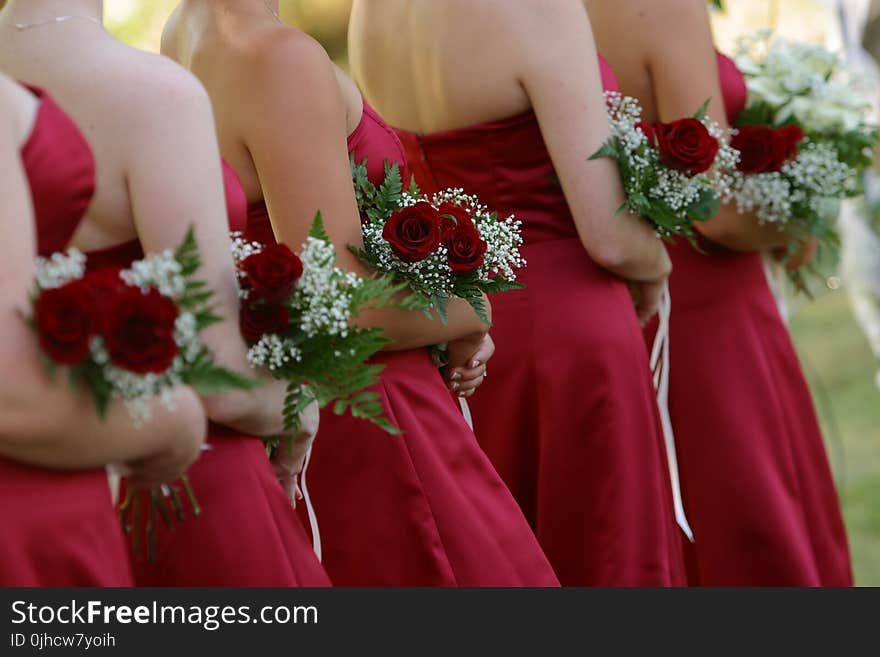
(60, 269)
(808, 182)
(321, 302)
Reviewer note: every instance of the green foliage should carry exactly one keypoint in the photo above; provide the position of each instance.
(335, 368)
(201, 372)
(637, 184)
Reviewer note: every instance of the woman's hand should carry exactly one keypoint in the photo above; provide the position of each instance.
(467, 363)
(290, 456)
(184, 444)
(800, 258)
(647, 296)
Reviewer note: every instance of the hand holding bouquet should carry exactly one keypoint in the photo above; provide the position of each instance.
(672, 173)
(444, 246)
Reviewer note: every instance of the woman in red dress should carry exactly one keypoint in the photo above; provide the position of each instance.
(757, 486)
(158, 172)
(505, 100)
(423, 508)
(60, 528)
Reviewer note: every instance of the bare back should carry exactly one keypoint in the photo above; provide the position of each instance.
(219, 49)
(96, 88)
(449, 64)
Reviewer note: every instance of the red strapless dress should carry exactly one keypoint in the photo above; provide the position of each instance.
(248, 533)
(60, 528)
(756, 482)
(569, 416)
(425, 508)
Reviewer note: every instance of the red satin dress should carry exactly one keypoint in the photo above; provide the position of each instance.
(425, 508)
(60, 528)
(248, 533)
(569, 415)
(756, 482)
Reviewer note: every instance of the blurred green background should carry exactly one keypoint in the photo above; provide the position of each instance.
(835, 354)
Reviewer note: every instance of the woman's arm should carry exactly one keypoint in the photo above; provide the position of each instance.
(556, 56)
(293, 118)
(42, 421)
(175, 181)
(681, 60)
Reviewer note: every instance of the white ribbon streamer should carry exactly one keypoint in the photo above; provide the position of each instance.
(660, 367)
(310, 509)
(115, 473)
(466, 411)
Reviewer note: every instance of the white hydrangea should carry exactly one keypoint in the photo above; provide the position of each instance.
(804, 82)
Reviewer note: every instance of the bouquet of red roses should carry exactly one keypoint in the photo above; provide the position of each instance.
(296, 315)
(444, 246)
(672, 173)
(129, 333)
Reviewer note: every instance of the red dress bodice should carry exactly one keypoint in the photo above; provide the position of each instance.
(505, 163)
(61, 173)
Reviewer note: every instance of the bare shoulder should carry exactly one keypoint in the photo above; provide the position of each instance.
(667, 17)
(532, 30)
(149, 90)
(541, 16)
(289, 55)
(288, 71)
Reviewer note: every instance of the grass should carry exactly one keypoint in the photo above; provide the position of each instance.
(841, 370)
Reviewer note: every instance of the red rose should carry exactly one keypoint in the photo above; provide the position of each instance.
(66, 319)
(104, 285)
(648, 131)
(451, 215)
(793, 136)
(413, 232)
(272, 274)
(764, 149)
(139, 331)
(259, 318)
(686, 145)
(465, 247)
(760, 149)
